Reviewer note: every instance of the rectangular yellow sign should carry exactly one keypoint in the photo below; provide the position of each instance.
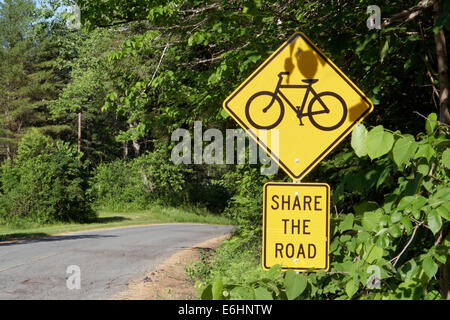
(296, 226)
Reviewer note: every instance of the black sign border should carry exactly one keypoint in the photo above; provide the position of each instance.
(332, 145)
(327, 187)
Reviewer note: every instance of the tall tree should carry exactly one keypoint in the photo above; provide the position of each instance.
(33, 69)
(78, 106)
(14, 101)
(16, 18)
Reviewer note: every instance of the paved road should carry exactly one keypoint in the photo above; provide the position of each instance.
(108, 259)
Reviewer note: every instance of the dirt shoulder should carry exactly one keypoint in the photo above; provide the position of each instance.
(168, 280)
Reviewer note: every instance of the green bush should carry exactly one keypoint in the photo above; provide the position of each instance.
(138, 183)
(246, 185)
(45, 183)
(389, 227)
(118, 186)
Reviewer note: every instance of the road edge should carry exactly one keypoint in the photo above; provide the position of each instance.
(102, 229)
(170, 272)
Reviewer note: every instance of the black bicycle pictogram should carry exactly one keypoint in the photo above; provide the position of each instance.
(313, 107)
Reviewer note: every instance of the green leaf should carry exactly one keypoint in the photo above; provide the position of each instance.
(373, 253)
(432, 295)
(363, 236)
(351, 288)
(371, 220)
(382, 239)
(379, 142)
(429, 186)
(444, 212)
(434, 221)
(364, 206)
(368, 39)
(359, 137)
(396, 216)
(416, 214)
(273, 273)
(263, 294)
(224, 114)
(442, 195)
(207, 293)
(425, 151)
(403, 150)
(216, 290)
(419, 202)
(423, 169)
(384, 50)
(407, 224)
(375, 100)
(384, 174)
(395, 231)
(295, 284)
(429, 266)
(405, 202)
(431, 123)
(409, 290)
(408, 270)
(442, 258)
(446, 158)
(242, 293)
(347, 223)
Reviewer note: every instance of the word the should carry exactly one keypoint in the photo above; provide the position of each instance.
(295, 225)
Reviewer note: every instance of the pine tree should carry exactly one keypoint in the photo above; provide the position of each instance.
(16, 111)
(33, 71)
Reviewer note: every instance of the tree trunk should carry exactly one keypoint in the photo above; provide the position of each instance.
(136, 147)
(135, 143)
(444, 117)
(8, 152)
(441, 54)
(8, 147)
(147, 182)
(125, 149)
(79, 136)
(444, 280)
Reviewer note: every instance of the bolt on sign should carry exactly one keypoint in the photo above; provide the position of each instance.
(296, 226)
(303, 98)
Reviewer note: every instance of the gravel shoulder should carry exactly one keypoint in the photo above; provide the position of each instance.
(168, 280)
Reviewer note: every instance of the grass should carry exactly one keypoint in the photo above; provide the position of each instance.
(110, 219)
(236, 261)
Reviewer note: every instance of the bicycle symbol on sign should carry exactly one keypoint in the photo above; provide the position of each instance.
(316, 106)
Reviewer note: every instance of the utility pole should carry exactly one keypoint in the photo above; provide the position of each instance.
(79, 135)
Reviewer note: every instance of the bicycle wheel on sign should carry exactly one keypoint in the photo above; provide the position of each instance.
(331, 119)
(264, 110)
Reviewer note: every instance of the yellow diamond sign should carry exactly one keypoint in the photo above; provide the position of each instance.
(298, 105)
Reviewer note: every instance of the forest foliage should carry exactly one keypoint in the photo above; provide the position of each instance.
(87, 114)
